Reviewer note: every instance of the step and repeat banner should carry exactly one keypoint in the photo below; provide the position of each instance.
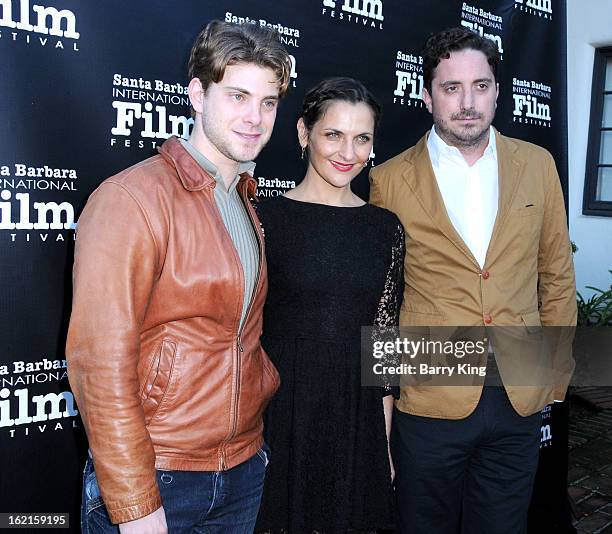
(88, 88)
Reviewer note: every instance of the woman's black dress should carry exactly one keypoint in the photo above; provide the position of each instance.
(331, 270)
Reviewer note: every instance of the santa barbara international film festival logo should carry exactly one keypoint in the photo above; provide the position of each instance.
(531, 102)
(364, 13)
(484, 23)
(146, 112)
(409, 80)
(539, 8)
(38, 25)
(287, 35)
(27, 214)
(273, 187)
(545, 429)
(23, 413)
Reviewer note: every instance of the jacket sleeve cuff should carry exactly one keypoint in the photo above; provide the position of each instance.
(122, 512)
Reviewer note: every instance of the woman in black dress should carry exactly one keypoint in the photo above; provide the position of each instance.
(335, 264)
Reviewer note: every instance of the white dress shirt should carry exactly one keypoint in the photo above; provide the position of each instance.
(470, 194)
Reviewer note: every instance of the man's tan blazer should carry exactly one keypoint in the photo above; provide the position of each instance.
(527, 280)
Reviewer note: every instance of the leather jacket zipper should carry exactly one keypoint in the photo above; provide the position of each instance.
(236, 363)
(239, 346)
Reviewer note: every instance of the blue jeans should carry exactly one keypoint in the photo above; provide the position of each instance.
(202, 502)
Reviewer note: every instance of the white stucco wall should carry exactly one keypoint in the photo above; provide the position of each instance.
(589, 25)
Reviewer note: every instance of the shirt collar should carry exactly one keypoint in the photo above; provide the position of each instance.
(210, 167)
(439, 150)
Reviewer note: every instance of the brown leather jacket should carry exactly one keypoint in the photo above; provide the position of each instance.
(162, 375)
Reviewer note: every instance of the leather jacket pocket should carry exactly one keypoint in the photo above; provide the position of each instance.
(270, 376)
(158, 378)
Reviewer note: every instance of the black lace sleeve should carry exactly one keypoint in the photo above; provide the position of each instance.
(386, 322)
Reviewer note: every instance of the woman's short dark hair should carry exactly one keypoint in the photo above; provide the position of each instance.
(440, 45)
(337, 89)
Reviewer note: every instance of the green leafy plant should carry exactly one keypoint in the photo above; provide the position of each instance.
(597, 309)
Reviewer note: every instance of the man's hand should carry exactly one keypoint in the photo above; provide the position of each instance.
(154, 523)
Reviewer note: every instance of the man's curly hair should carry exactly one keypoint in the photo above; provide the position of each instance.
(440, 46)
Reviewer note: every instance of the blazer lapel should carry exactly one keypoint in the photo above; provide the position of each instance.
(509, 172)
(420, 177)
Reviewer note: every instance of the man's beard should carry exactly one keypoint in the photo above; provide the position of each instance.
(464, 137)
(228, 147)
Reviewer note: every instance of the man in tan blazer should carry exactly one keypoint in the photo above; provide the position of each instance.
(486, 245)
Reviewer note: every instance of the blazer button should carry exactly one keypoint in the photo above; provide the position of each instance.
(488, 319)
(485, 275)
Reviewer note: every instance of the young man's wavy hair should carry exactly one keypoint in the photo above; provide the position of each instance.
(440, 46)
(221, 44)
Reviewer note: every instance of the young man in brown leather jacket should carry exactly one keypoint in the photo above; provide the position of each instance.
(169, 285)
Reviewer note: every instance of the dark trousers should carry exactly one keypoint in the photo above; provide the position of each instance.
(470, 476)
(206, 502)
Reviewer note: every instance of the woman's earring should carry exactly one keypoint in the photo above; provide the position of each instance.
(365, 163)
(303, 151)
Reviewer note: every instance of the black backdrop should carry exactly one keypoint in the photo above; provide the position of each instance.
(88, 88)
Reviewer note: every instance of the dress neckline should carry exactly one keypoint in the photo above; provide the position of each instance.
(307, 203)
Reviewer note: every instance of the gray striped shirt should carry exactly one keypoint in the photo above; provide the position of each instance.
(236, 220)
